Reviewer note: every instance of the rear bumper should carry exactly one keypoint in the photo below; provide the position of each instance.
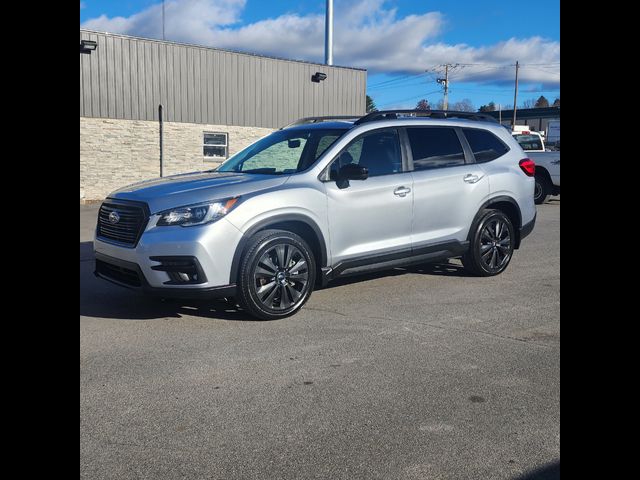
(129, 275)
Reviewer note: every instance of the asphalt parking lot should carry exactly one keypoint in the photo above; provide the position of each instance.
(418, 374)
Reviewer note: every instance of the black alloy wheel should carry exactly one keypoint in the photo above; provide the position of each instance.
(277, 274)
(491, 246)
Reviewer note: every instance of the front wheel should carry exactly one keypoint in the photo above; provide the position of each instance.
(491, 246)
(277, 274)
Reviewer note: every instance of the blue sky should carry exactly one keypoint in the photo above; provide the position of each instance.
(395, 40)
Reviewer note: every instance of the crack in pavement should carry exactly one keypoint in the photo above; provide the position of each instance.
(440, 327)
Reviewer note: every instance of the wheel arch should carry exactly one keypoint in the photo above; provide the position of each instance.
(509, 207)
(299, 224)
(540, 170)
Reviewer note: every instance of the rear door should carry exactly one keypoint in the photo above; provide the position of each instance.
(448, 186)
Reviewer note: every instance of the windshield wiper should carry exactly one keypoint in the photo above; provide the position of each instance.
(266, 171)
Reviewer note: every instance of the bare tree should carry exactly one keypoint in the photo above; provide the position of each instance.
(464, 105)
(423, 105)
(531, 103)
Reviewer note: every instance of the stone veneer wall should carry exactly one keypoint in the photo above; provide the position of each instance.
(115, 153)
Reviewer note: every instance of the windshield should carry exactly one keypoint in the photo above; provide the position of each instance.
(283, 152)
(529, 142)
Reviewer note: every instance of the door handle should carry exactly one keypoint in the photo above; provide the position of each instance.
(401, 191)
(555, 162)
(471, 178)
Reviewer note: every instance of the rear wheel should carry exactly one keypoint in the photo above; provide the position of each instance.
(277, 274)
(542, 189)
(491, 245)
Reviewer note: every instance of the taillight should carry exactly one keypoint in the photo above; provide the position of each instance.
(528, 166)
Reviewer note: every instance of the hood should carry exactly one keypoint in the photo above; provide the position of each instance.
(189, 188)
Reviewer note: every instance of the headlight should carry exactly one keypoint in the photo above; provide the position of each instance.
(196, 214)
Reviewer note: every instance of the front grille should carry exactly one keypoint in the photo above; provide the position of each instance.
(129, 227)
(117, 273)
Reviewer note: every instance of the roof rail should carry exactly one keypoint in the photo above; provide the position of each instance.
(393, 114)
(305, 120)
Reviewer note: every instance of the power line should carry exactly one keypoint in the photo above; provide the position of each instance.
(401, 85)
(540, 69)
(507, 94)
(397, 79)
(483, 90)
(455, 70)
(422, 95)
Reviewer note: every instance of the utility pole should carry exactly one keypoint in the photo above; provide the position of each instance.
(500, 114)
(328, 34)
(515, 99)
(446, 87)
(445, 82)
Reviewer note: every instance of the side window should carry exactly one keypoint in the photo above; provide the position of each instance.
(379, 151)
(485, 145)
(435, 147)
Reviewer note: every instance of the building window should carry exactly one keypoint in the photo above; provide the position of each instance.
(215, 145)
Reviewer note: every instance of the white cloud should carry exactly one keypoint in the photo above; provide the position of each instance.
(366, 34)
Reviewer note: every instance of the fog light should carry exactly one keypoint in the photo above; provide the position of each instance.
(180, 269)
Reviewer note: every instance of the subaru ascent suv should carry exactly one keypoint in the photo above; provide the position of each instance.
(319, 199)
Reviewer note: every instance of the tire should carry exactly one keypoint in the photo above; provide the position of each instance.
(490, 250)
(267, 290)
(542, 189)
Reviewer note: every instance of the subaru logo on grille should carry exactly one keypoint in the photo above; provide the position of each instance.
(114, 217)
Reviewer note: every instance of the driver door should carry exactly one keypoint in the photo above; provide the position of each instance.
(373, 216)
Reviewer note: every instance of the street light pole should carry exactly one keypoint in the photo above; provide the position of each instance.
(328, 34)
(515, 99)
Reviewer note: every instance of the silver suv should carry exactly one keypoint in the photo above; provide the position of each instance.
(320, 199)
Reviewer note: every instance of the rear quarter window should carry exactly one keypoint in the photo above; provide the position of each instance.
(484, 144)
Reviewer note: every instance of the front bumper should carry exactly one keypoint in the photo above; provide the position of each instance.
(212, 246)
(129, 275)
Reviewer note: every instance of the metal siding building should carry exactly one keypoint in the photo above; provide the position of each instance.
(128, 77)
(536, 118)
(215, 103)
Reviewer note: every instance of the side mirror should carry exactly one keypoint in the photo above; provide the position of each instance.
(352, 171)
(294, 143)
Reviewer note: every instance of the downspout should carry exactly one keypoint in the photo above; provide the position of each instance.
(161, 140)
